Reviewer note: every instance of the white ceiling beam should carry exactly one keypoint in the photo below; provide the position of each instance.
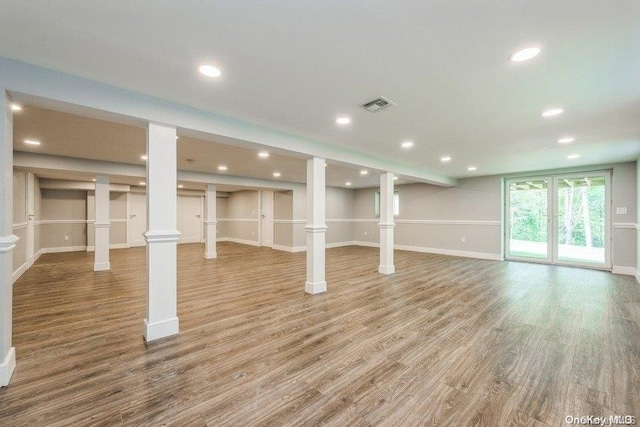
(50, 89)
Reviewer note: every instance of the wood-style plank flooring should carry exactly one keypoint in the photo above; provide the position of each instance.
(445, 341)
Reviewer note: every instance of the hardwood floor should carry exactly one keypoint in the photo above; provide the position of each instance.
(445, 341)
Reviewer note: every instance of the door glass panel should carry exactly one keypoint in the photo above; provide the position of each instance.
(581, 219)
(528, 219)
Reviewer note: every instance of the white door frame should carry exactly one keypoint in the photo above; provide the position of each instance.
(30, 203)
(552, 220)
(266, 218)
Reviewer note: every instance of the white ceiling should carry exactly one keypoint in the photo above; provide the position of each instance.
(296, 66)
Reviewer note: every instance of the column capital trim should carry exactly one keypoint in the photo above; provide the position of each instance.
(161, 236)
(386, 225)
(102, 224)
(7, 243)
(317, 228)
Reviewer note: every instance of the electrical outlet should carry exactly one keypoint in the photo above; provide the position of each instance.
(365, 233)
(463, 240)
(66, 237)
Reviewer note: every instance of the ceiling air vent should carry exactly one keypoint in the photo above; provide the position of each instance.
(377, 104)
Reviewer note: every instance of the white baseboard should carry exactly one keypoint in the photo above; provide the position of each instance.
(20, 271)
(221, 239)
(185, 241)
(637, 274)
(295, 249)
(63, 249)
(7, 367)
(439, 251)
(242, 241)
(629, 271)
(157, 330)
(111, 246)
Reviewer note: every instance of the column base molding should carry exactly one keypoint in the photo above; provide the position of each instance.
(386, 269)
(7, 243)
(101, 266)
(7, 367)
(210, 255)
(320, 228)
(157, 330)
(315, 288)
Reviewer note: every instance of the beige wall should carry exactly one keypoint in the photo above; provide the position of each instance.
(283, 211)
(339, 213)
(441, 216)
(69, 206)
(241, 219)
(38, 213)
(623, 194)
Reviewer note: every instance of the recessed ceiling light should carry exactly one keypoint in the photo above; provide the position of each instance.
(407, 144)
(16, 107)
(364, 172)
(552, 112)
(94, 180)
(343, 120)
(210, 71)
(445, 159)
(144, 157)
(31, 142)
(180, 186)
(525, 54)
(222, 168)
(177, 137)
(142, 183)
(566, 140)
(263, 154)
(276, 174)
(395, 178)
(348, 184)
(573, 156)
(471, 168)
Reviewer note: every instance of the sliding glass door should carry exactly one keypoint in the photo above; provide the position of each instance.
(528, 231)
(561, 219)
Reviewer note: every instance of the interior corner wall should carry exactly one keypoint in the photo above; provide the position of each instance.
(37, 199)
(624, 195)
(436, 219)
(242, 219)
(637, 226)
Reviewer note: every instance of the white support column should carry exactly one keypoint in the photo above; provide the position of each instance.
(101, 224)
(316, 227)
(210, 223)
(386, 224)
(162, 235)
(7, 241)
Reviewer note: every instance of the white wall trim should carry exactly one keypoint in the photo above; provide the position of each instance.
(20, 271)
(625, 225)
(629, 271)
(637, 274)
(20, 225)
(295, 249)
(61, 221)
(239, 219)
(447, 222)
(289, 221)
(63, 249)
(35, 258)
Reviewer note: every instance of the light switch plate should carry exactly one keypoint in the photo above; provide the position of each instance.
(621, 211)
